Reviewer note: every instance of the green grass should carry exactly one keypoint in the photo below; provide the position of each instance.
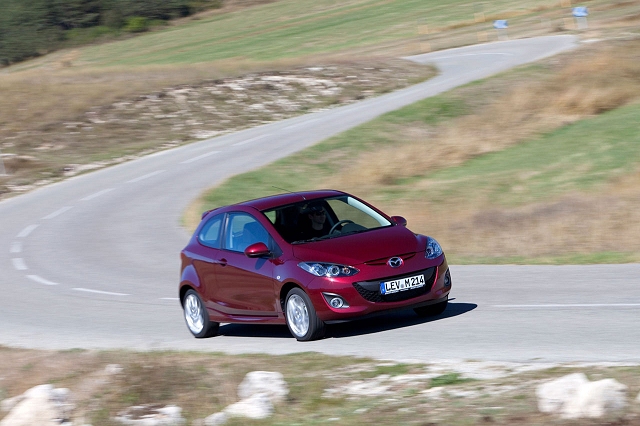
(391, 370)
(569, 259)
(578, 157)
(294, 28)
(448, 380)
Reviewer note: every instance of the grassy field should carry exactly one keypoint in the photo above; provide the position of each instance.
(322, 389)
(533, 166)
(534, 186)
(286, 29)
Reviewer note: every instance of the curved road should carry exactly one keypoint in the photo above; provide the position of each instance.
(92, 262)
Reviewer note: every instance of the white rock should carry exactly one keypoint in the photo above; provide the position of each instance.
(269, 383)
(573, 397)
(434, 393)
(113, 369)
(553, 395)
(41, 405)
(143, 415)
(597, 399)
(216, 419)
(257, 406)
(9, 403)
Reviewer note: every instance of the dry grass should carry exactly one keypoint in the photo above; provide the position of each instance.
(571, 225)
(51, 93)
(590, 84)
(60, 124)
(202, 384)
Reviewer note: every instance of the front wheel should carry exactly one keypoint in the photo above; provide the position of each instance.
(431, 310)
(301, 316)
(197, 317)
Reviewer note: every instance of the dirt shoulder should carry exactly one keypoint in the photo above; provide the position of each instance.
(322, 389)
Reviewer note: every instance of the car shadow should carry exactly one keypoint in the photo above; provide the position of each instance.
(393, 320)
(254, 330)
(369, 325)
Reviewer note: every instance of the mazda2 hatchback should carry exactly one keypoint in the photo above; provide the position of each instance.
(307, 259)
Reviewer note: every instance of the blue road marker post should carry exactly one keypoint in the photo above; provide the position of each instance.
(581, 13)
(501, 26)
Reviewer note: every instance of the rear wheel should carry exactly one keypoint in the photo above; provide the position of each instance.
(301, 316)
(431, 310)
(197, 317)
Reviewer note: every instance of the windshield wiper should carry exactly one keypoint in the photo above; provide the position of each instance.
(311, 240)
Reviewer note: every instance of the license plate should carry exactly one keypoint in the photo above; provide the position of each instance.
(402, 284)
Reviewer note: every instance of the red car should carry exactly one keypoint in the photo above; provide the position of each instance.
(307, 259)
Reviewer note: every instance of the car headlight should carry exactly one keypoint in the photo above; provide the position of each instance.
(433, 249)
(329, 270)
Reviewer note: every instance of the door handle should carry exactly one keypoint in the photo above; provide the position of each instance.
(222, 262)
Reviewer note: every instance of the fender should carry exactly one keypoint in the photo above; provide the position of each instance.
(188, 278)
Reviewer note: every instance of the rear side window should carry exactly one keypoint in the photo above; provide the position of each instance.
(210, 233)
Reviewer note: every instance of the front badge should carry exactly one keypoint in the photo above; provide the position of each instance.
(395, 262)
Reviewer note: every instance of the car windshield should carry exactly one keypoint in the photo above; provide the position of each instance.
(324, 218)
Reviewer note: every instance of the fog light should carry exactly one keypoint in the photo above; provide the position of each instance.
(447, 279)
(335, 301)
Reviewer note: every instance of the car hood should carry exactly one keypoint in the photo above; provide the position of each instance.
(360, 248)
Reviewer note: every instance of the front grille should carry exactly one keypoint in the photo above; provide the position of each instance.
(370, 290)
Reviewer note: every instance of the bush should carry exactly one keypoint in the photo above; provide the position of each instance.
(32, 28)
(137, 24)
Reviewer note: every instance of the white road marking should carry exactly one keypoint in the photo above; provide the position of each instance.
(19, 264)
(170, 298)
(58, 212)
(41, 280)
(250, 140)
(200, 157)
(87, 290)
(470, 54)
(573, 305)
(293, 126)
(26, 231)
(147, 176)
(16, 247)
(97, 194)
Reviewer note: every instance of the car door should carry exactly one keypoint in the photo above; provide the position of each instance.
(244, 285)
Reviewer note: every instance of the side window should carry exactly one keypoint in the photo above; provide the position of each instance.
(210, 233)
(244, 230)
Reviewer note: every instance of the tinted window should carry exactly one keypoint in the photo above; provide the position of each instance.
(293, 222)
(244, 230)
(210, 233)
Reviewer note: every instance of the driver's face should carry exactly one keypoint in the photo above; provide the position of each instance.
(318, 217)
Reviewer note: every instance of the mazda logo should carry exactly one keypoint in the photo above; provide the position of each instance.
(395, 262)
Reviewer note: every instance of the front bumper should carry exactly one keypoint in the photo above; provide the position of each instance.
(364, 297)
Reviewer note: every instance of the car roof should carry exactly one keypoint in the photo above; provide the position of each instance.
(273, 201)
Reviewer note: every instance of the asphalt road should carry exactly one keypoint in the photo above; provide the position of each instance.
(92, 262)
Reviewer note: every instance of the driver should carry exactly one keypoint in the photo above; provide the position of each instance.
(318, 225)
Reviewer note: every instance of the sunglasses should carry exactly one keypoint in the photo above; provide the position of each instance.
(320, 213)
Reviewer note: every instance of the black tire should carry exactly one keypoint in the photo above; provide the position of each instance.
(197, 317)
(431, 310)
(301, 316)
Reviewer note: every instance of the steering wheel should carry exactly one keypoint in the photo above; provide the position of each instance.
(341, 222)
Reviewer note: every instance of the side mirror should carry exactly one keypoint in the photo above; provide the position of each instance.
(399, 220)
(257, 250)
